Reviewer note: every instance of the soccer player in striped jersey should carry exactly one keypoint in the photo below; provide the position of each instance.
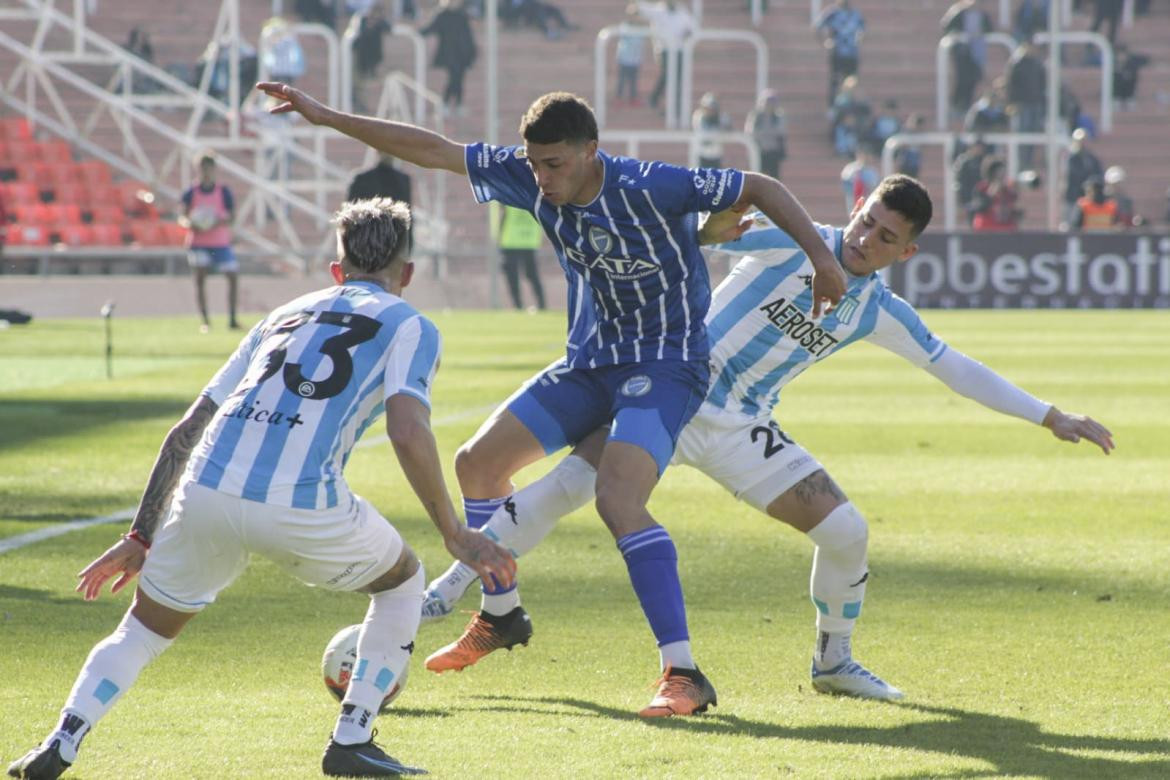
(762, 337)
(255, 466)
(625, 233)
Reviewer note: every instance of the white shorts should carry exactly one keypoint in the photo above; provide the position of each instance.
(208, 535)
(752, 458)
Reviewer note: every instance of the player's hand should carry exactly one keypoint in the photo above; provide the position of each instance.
(291, 99)
(828, 286)
(125, 558)
(1074, 427)
(487, 558)
(724, 226)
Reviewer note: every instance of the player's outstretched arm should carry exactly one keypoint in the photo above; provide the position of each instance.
(1074, 427)
(722, 227)
(127, 556)
(779, 205)
(407, 142)
(968, 377)
(409, 428)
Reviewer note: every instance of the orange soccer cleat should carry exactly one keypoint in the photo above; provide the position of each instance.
(483, 634)
(681, 692)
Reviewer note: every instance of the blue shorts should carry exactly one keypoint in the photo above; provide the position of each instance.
(220, 258)
(648, 404)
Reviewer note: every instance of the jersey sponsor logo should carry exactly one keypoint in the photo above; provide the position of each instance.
(845, 309)
(636, 386)
(501, 155)
(618, 268)
(798, 326)
(707, 182)
(600, 240)
(252, 413)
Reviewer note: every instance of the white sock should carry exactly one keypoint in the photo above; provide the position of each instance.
(833, 649)
(384, 647)
(838, 577)
(525, 519)
(111, 668)
(677, 654)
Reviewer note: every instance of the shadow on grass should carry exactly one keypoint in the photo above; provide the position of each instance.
(26, 419)
(1011, 746)
(18, 593)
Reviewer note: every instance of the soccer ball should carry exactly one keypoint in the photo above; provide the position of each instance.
(339, 660)
(203, 219)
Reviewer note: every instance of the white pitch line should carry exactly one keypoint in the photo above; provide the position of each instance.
(32, 537)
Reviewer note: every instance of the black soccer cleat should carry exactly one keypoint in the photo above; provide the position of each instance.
(363, 760)
(40, 763)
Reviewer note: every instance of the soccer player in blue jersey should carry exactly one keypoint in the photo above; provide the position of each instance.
(255, 466)
(624, 231)
(762, 337)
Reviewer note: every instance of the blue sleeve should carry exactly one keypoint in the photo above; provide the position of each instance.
(229, 202)
(500, 173)
(678, 190)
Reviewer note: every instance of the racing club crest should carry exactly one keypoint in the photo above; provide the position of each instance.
(845, 309)
(600, 240)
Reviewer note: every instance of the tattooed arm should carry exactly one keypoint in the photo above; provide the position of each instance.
(408, 424)
(127, 556)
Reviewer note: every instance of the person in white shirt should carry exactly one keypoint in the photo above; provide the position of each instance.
(763, 336)
(670, 25)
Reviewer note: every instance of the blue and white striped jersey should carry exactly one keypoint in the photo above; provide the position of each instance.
(638, 284)
(303, 386)
(762, 334)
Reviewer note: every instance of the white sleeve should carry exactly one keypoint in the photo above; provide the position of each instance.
(233, 371)
(976, 381)
(413, 360)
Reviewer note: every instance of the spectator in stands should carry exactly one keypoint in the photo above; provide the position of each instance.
(670, 25)
(859, 177)
(850, 117)
(317, 11)
(968, 168)
(280, 51)
(885, 124)
(995, 201)
(519, 239)
(1127, 217)
(908, 157)
(841, 28)
(989, 114)
(1094, 210)
(1081, 166)
(383, 180)
(969, 23)
(208, 211)
(456, 51)
(1031, 17)
(1127, 67)
(138, 43)
(1027, 90)
(708, 118)
(368, 30)
(1107, 13)
(631, 47)
(545, 17)
(766, 124)
(217, 56)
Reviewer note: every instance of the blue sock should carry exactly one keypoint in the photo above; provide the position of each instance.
(653, 565)
(478, 511)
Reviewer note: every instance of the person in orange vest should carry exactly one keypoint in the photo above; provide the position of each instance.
(1095, 210)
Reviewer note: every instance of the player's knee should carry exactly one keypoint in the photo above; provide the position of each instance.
(405, 571)
(844, 527)
(618, 511)
(471, 467)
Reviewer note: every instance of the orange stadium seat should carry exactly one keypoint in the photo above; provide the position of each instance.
(74, 235)
(33, 214)
(63, 173)
(69, 192)
(36, 173)
(20, 192)
(107, 214)
(16, 127)
(176, 234)
(102, 196)
(56, 152)
(94, 172)
(63, 213)
(105, 234)
(148, 232)
(27, 235)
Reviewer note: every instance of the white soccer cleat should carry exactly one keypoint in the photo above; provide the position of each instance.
(852, 679)
(434, 607)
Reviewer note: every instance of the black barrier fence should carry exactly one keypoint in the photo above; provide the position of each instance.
(1037, 271)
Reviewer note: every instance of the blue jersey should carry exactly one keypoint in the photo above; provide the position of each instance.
(303, 386)
(638, 284)
(762, 332)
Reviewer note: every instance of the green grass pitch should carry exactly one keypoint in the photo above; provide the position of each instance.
(1019, 591)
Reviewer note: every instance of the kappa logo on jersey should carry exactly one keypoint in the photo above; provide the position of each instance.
(636, 386)
(788, 317)
(845, 309)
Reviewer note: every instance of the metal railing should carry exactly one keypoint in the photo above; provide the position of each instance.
(943, 68)
(753, 39)
(633, 140)
(947, 142)
(419, 50)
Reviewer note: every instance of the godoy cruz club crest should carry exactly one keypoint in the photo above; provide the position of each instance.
(600, 240)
